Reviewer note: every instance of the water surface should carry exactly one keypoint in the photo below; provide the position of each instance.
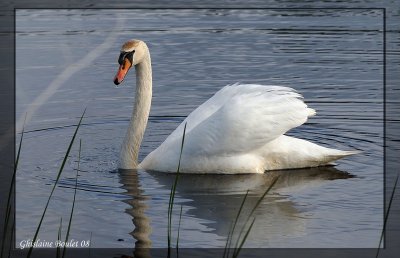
(66, 61)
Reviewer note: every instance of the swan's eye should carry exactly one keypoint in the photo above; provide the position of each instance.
(130, 56)
(124, 55)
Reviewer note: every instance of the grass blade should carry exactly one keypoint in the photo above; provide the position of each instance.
(230, 232)
(180, 154)
(8, 205)
(387, 215)
(263, 196)
(55, 183)
(73, 202)
(172, 193)
(59, 239)
(236, 254)
(179, 227)
(251, 214)
(230, 235)
(19, 147)
(12, 235)
(6, 226)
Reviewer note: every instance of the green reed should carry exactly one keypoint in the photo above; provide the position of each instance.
(73, 201)
(241, 240)
(55, 183)
(387, 215)
(10, 191)
(59, 239)
(172, 194)
(179, 227)
(230, 233)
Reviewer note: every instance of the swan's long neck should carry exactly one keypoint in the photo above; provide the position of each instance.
(140, 115)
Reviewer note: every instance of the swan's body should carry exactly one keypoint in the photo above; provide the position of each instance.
(238, 130)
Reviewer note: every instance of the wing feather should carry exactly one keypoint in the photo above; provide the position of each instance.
(249, 117)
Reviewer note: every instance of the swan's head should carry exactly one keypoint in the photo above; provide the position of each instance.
(132, 53)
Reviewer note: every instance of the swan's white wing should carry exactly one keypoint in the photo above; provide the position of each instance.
(248, 117)
(241, 118)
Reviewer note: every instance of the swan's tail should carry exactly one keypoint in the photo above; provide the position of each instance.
(289, 152)
(311, 112)
(338, 154)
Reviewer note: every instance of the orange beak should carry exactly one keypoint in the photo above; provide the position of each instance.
(122, 71)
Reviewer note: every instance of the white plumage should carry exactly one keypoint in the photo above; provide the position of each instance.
(240, 130)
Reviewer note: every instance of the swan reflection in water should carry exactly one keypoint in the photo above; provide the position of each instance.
(217, 198)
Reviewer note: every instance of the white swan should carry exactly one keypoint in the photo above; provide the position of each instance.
(238, 130)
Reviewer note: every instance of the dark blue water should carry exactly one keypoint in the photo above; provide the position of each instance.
(66, 61)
